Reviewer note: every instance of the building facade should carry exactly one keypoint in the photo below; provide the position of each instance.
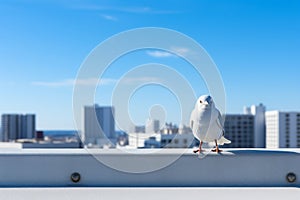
(239, 128)
(152, 126)
(174, 140)
(99, 125)
(246, 130)
(17, 126)
(282, 129)
(138, 140)
(258, 112)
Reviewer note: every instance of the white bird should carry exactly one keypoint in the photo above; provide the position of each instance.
(206, 123)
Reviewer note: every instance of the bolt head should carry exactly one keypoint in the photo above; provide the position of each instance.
(75, 177)
(291, 177)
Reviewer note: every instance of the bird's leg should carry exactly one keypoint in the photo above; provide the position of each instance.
(199, 149)
(217, 148)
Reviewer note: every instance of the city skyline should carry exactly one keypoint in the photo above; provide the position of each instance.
(255, 128)
(255, 46)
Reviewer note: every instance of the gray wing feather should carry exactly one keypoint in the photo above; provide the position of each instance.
(219, 122)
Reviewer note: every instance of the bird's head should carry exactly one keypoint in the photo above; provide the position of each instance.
(205, 101)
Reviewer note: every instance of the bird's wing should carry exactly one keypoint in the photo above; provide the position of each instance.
(219, 122)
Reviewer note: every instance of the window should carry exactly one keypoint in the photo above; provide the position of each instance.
(287, 145)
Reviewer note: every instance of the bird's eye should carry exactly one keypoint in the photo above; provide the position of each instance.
(200, 101)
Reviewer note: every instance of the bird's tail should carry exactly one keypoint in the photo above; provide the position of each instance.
(223, 141)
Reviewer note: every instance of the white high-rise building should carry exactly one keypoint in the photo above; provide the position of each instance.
(17, 126)
(246, 130)
(99, 125)
(282, 129)
(259, 125)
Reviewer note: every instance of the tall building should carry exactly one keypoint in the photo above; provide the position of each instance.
(259, 125)
(99, 124)
(152, 126)
(246, 130)
(282, 129)
(239, 128)
(137, 129)
(28, 126)
(17, 126)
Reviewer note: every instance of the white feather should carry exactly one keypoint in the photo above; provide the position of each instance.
(206, 121)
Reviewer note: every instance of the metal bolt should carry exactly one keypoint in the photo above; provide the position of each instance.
(291, 177)
(75, 177)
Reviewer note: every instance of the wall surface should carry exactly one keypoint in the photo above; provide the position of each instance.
(232, 168)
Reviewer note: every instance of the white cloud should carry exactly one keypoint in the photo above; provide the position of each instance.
(134, 10)
(181, 50)
(109, 17)
(95, 81)
(159, 54)
(72, 82)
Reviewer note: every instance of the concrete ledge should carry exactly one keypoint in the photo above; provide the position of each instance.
(232, 168)
(148, 193)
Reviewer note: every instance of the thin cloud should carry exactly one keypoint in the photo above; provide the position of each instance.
(95, 81)
(159, 54)
(72, 82)
(109, 17)
(183, 51)
(134, 10)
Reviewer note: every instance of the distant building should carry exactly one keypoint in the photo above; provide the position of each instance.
(152, 142)
(99, 126)
(17, 126)
(137, 129)
(282, 129)
(171, 136)
(239, 128)
(169, 128)
(177, 140)
(183, 129)
(259, 125)
(152, 126)
(246, 130)
(137, 140)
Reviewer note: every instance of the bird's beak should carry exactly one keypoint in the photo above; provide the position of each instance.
(205, 103)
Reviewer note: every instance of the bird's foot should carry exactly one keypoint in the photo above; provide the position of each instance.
(198, 150)
(217, 150)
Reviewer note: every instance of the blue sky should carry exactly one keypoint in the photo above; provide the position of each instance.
(255, 45)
